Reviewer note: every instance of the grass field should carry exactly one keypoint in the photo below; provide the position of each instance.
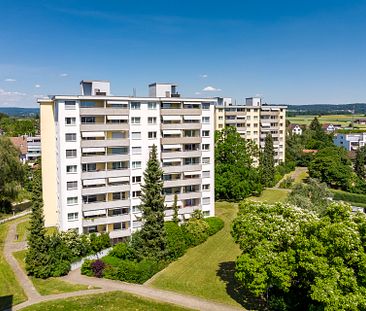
(51, 285)
(272, 195)
(22, 230)
(112, 301)
(206, 270)
(344, 120)
(11, 292)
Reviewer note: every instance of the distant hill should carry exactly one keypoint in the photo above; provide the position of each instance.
(324, 109)
(20, 112)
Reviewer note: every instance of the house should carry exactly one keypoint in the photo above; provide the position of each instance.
(331, 128)
(29, 147)
(350, 142)
(361, 121)
(20, 143)
(295, 129)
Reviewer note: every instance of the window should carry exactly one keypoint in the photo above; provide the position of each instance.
(72, 185)
(117, 196)
(70, 137)
(90, 167)
(117, 226)
(70, 105)
(151, 120)
(136, 209)
(205, 133)
(135, 120)
(71, 153)
(136, 135)
(205, 174)
(135, 106)
(221, 118)
(87, 120)
(206, 147)
(151, 135)
(206, 187)
(72, 200)
(205, 160)
(118, 166)
(71, 169)
(136, 194)
(151, 106)
(70, 121)
(136, 150)
(136, 179)
(206, 200)
(117, 135)
(205, 119)
(136, 164)
(205, 106)
(72, 216)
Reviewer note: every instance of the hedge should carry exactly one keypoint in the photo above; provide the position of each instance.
(215, 225)
(349, 197)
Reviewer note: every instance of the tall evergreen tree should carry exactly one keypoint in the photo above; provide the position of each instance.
(151, 239)
(267, 166)
(36, 257)
(315, 125)
(360, 162)
(175, 210)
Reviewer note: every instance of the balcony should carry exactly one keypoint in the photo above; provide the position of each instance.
(184, 196)
(182, 182)
(179, 112)
(181, 140)
(106, 220)
(120, 233)
(104, 127)
(182, 126)
(106, 174)
(101, 111)
(104, 158)
(105, 189)
(182, 168)
(106, 143)
(104, 205)
(181, 154)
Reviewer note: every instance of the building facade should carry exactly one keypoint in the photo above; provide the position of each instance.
(95, 148)
(254, 121)
(351, 142)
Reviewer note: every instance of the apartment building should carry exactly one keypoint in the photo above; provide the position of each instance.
(254, 120)
(95, 147)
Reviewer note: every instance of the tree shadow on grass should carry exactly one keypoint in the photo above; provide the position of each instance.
(236, 291)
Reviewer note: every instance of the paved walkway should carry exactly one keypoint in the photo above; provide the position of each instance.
(104, 284)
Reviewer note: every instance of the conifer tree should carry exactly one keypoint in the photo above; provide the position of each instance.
(315, 125)
(267, 166)
(36, 257)
(175, 210)
(360, 162)
(151, 239)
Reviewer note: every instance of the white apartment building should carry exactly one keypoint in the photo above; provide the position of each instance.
(254, 120)
(351, 142)
(95, 147)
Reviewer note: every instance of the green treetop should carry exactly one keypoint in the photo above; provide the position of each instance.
(267, 165)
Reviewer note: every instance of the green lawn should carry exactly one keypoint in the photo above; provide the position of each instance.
(22, 230)
(11, 292)
(206, 270)
(112, 301)
(272, 195)
(344, 120)
(51, 285)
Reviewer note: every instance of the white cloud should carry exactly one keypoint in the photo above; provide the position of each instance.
(210, 89)
(10, 80)
(197, 93)
(7, 97)
(37, 86)
(204, 76)
(64, 74)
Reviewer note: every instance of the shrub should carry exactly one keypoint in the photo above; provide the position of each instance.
(97, 267)
(195, 231)
(176, 242)
(287, 182)
(215, 225)
(112, 261)
(349, 197)
(121, 250)
(86, 268)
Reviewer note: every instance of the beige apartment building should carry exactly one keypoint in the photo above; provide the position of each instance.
(254, 120)
(95, 147)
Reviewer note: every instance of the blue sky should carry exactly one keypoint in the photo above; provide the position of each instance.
(289, 52)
